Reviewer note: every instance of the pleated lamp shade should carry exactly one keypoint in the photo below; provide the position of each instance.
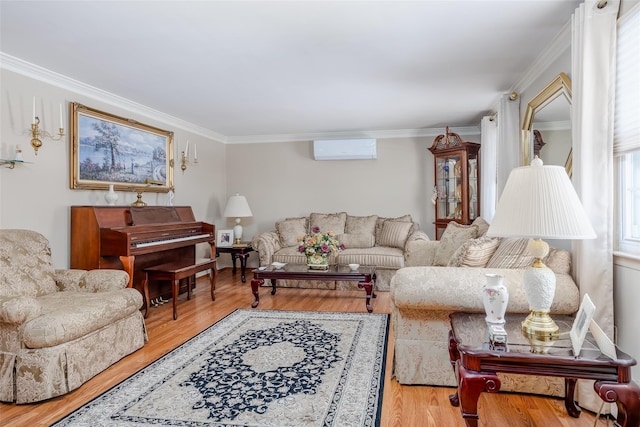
(540, 202)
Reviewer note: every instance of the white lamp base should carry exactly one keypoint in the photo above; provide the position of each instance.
(540, 288)
(237, 232)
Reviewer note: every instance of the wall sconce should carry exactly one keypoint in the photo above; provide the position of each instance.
(184, 156)
(37, 133)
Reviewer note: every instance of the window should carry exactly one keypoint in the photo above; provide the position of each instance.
(626, 140)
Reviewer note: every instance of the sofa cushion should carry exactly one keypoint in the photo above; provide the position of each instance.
(290, 254)
(558, 260)
(482, 225)
(70, 315)
(512, 253)
(474, 252)
(290, 229)
(361, 224)
(26, 268)
(394, 234)
(335, 222)
(453, 237)
(379, 256)
(381, 220)
(357, 240)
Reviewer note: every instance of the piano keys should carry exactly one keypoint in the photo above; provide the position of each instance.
(133, 238)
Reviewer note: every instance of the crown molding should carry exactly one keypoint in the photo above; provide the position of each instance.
(558, 46)
(377, 134)
(36, 72)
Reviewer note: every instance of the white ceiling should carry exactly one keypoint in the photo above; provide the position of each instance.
(247, 70)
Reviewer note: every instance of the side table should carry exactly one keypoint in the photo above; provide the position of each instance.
(240, 252)
(476, 363)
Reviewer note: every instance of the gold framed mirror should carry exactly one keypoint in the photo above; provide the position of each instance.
(546, 128)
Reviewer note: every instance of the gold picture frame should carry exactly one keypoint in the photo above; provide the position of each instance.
(110, 150)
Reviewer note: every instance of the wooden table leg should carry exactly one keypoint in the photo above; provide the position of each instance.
(255, 286)
(627, 399)
(569, 400)
(368, 288)
(471, 384)
(454, 356)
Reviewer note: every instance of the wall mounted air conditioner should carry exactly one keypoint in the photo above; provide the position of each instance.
(344, 149)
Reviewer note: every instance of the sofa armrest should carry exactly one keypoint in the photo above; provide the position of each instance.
(420, 251)
(91, 281)
(460, 289)
(19, 309)
(266, 244)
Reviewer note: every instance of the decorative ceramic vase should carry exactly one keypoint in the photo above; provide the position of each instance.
(317, 262)
(495, 297)
(111, 197)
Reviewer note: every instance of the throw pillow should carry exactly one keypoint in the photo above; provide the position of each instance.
(394, 234)
(453, 237)
(381, 220)
(290, 229)
(361, 224)
(512, 253)
(474, 252)
(360, 240)
(483, 226)
(328, 222)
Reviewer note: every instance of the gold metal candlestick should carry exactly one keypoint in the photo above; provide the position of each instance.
(36, 134)
(139, 202)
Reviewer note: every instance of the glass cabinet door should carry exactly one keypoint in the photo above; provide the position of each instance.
(449, 187)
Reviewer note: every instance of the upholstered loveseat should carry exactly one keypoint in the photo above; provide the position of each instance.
(451, 279)
(59, 328)
(386, 243)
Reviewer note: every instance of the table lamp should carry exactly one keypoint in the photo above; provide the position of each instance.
(540, 202)
(237, 207)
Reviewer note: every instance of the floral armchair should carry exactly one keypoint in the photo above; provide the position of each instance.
(59, 328)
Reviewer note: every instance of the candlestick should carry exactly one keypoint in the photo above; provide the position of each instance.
(33, 115)
(195, 153)
(61, 121)
(186, 150)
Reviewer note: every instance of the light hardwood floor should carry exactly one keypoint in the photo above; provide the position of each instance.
(403, 406)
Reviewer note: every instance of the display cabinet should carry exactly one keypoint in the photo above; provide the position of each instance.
(457, 187)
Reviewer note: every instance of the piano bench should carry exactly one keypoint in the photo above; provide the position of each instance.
(174, 272)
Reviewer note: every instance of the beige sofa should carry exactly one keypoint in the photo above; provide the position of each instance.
(386, 243)
(59, 328)
(451, 280)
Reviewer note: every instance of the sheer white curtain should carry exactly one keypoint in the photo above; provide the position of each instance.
(488, 166)
(593, 81)
(508, 140)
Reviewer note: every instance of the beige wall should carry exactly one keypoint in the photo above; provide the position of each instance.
(37, 195)
(283, 180)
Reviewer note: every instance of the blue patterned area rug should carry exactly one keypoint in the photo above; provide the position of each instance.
(257, 368)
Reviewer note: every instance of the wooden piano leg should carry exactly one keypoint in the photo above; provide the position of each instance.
(174, 292)
(127, 264)
(212, 279)
(145, 287)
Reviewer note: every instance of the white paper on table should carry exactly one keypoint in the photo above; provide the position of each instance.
(607, 347)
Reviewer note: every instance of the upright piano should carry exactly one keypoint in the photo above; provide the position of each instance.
(133, 238)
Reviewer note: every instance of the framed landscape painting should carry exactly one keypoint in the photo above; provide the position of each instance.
(107, 149)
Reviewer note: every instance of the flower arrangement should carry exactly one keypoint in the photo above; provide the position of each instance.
(318, 243)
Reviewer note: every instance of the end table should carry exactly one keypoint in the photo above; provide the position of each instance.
(476, 363)
(240, 252)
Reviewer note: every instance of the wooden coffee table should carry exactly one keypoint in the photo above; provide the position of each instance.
(365, 276)
(476, 363)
